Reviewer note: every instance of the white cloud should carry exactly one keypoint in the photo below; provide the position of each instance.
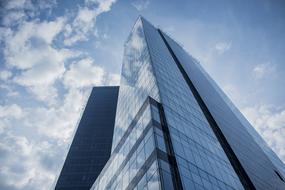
(270, 123)
(48, 66)
(28, 4)
(85, 15)
(34, 135)
(263, 70)
(10, 91)
(83, 73)
(40, 78)
(85, 20)
(141, 5)
(15, 4)
(222, 47)
(82, 24)
(114, 79)
(102, 5)
(22, 47)
(4, 75)
(21, 166)
(11, 111)
(13, 17)
(21, 148)
(16, 11)
(30, 50)
(57, 122)
(47, 94)
(27, 160)
(9, 114)
(5, 33)
(48, 30)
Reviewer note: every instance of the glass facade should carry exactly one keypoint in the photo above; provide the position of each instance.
(137, 81)
(261, 165)
(133, 156)
(200, 158)
(91, 145)
(175, 129)
(140, 154)
(142, 158)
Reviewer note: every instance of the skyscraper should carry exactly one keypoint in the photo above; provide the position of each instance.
(91, 145)
(176, 129)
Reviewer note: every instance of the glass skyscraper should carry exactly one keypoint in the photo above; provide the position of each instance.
(92, 142)
(176, 129)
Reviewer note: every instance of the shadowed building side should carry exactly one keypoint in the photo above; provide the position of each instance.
(92, 142)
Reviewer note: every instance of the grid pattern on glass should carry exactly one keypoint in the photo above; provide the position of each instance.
(260, 141)
(189, 129)
(135, 163)
(168, 165)
(242, 138)
(150, 180)
(166, 173)
(129, 158)
(91, 145)
(137, 81)
(159, 139)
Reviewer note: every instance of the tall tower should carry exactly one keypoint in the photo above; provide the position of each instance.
(91, 145)
(176, 129)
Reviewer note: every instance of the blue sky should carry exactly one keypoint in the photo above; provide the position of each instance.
(52, 53)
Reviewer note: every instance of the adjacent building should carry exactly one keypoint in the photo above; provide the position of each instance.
(176, 129)
(92, 142)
